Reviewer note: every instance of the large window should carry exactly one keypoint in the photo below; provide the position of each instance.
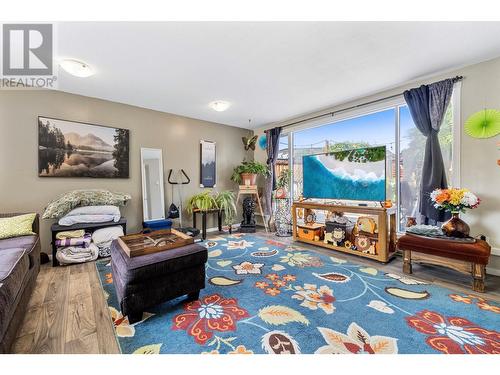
(391, 127)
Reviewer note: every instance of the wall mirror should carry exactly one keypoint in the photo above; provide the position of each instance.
(153, 198)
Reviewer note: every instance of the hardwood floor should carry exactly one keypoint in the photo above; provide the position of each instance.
(67, 312)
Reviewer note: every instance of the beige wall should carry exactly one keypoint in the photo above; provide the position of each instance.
(22, 190)
(478, 157)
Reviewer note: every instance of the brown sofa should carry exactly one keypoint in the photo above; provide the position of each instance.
(19, 267)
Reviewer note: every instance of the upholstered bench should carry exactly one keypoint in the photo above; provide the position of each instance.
(466, 257)
(148, 280)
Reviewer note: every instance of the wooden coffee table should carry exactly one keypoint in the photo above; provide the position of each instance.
(138, 244)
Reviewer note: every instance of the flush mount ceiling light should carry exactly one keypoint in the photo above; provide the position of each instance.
(76, 68)
(219, 105)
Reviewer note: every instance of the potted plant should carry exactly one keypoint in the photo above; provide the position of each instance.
(455, 200)
(282, 183)
(226, 202)
(203, 201)
(246, 173)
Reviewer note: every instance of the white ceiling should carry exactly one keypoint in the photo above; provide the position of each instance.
(268, 71)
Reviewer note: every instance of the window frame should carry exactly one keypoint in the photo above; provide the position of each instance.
(364, 110)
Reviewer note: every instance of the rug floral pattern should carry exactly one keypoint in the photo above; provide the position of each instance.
(262, 296)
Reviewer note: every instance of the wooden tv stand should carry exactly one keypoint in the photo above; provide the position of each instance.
(386, 223)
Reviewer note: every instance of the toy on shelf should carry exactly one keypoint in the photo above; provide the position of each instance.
(338, 228)
(311, 232)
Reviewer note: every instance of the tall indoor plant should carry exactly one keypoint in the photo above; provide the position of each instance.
(246, 173)
(227, 204)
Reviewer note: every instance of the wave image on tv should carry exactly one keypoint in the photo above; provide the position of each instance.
(352, 175)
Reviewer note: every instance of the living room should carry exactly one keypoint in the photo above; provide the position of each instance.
(250, 187)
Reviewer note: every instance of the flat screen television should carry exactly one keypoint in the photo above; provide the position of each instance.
(357, 174)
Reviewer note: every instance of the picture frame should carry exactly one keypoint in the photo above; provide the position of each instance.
(208, 164)
(69, 148)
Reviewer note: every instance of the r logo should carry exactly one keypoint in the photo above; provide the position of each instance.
(27, 49)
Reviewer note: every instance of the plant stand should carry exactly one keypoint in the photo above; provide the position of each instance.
(204, 220)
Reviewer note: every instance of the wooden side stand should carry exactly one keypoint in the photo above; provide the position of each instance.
(253, 191)
(386, 219)
(204, 220)
(468, 258)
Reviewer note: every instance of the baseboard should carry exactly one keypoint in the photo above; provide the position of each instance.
(495, 251)
(492, 271)
(216, 229)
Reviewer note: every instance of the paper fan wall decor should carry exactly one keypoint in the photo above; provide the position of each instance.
(483, 124)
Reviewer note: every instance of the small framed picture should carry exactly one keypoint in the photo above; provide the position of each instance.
(208, 164)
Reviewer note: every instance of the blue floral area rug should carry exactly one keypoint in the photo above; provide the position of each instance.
(262, 296)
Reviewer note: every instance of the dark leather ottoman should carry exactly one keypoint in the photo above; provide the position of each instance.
(465, 257)
(148, 280)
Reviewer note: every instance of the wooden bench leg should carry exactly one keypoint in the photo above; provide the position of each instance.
(407, 261)
(478, 274)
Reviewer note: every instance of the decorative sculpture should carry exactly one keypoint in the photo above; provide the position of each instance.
(248, 223)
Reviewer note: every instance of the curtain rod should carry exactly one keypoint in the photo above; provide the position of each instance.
(333, 113)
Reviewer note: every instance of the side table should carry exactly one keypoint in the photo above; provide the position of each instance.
(204, 220)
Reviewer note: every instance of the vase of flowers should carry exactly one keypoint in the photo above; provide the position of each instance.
(455, 200)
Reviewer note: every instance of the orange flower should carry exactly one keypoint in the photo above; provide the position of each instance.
(261, 284)
(279, 283)
(459, 298)
(443, 196)
(272, 276)
(109, 278)
(273, 291)
(289, 277)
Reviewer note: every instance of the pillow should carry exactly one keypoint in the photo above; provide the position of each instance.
(104, 235)
(70, 220)
(95, 197)
(16, 226)
(95, 210)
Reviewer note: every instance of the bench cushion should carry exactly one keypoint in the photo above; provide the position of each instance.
(477, 252)
(141, 268)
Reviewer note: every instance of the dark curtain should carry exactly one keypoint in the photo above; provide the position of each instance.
(273, 138)
(427, 106)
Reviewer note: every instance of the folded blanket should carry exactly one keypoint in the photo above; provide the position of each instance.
(94, 210)
(70, 255)
(105, 250)
(70, 220)
(70, 234)
(79, 242)
(106, 235)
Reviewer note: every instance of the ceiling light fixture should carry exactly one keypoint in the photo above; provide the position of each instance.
(76, 68)
(219, 105)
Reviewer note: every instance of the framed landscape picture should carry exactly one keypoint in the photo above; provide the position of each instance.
(77, 149)
(208, 176)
